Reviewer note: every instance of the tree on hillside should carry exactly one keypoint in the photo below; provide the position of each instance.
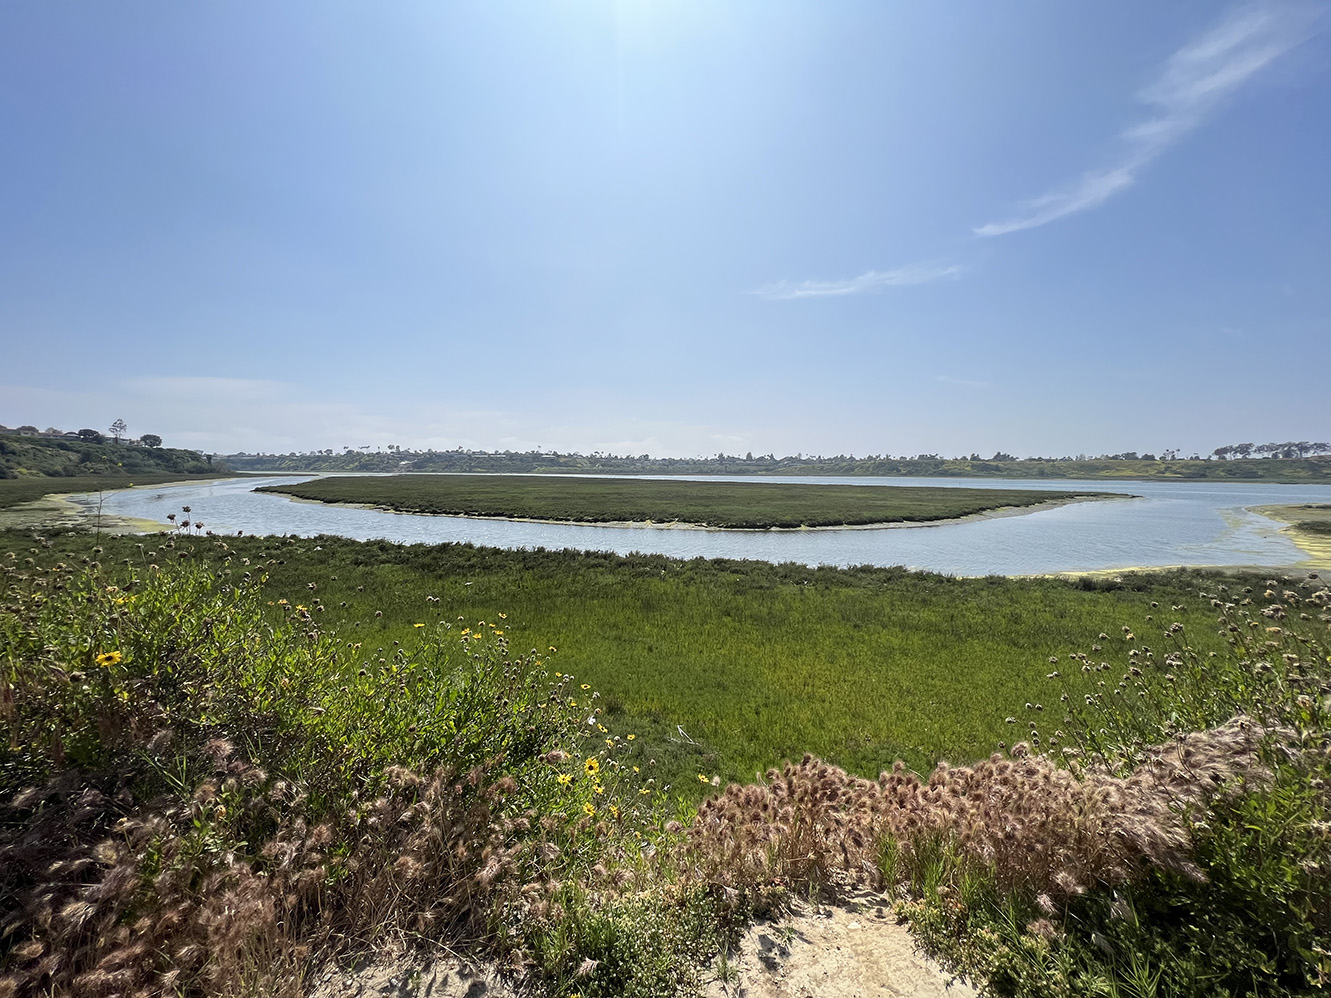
(118, 429)
(150, 440)
(90, 435)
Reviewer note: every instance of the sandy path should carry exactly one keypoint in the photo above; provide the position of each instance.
(855, 950)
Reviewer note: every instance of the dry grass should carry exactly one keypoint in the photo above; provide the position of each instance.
(1053, 831)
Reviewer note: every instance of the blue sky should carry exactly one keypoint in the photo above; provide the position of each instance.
(668, 227)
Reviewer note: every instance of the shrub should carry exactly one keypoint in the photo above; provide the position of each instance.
(197, 798)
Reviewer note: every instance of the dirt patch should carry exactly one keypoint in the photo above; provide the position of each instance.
(855, 950)
(446, 976)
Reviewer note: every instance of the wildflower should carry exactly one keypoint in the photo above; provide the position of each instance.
(598, 789)
(644, 791)
(503, 616)
(592, 766)
(703, 779)
(417, 625)
(631, 737)
(609, 743)
(589, 809)
(635, 769)
(586, 686)
(614, 811)
(498, 634)
(108, 658)
(565, 779)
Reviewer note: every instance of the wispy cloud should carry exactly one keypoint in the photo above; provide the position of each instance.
(1195, 80)
(869, 281)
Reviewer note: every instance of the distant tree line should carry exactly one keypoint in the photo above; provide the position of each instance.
(1289, 449)
(118, 431)
(394, 458)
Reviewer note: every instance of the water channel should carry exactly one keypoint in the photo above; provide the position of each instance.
(1164, 523)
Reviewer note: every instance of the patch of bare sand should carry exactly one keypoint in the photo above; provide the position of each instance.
(855, 950)
(446, 976)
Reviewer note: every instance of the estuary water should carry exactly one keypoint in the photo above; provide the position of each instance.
(1161, 524)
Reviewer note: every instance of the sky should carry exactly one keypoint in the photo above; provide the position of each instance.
(675, 228)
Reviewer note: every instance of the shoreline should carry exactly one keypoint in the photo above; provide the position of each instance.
(998, 512)
(59, 511)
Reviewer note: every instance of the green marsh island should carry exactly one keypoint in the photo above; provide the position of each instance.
(729, 505)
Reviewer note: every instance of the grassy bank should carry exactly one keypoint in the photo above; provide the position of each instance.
(755, 662)
(748, 505)
(225, 760)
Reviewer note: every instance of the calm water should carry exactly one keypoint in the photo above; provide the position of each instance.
(1170, 523)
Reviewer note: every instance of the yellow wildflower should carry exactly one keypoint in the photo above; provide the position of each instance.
(586, 686)
(703, 779)
(108, 658)
(598, 789)
(592, 766)
(631, 737)
(589, 809)
(565, 779)
(417, 625)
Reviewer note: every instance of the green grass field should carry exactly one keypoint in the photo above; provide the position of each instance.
(757, 663)
(743, 505)
(376, 713)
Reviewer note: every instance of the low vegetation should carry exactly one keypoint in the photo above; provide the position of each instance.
(1297, 462)
(746, 505)
(28, 457)
(214, 774)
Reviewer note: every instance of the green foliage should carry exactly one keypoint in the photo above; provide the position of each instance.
(755, 662)
(749, 505)
(23, 457)
(1257, 920)
(174, 741)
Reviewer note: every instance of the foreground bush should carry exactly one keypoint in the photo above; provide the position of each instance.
(201, 792)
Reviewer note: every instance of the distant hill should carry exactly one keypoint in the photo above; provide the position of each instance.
(1278, 469)
(23, 455)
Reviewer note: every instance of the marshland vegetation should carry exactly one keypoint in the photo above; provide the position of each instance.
(731, 505)
(228, 758)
